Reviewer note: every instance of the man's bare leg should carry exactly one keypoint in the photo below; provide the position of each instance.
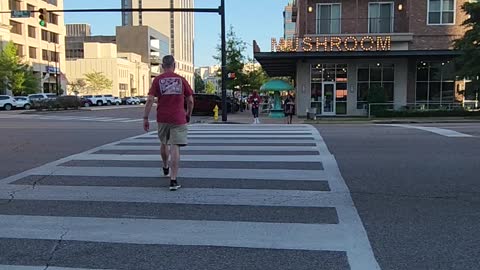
(174, 163)
(164, 152)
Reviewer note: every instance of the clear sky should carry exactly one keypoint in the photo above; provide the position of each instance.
(258, 20)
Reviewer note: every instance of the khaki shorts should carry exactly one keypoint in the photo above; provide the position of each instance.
(173, 134)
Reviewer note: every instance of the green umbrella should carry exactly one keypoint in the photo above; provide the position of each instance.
(277, 86)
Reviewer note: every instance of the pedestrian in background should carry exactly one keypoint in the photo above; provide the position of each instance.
(289, 107)
(255, 102)
(171, 90)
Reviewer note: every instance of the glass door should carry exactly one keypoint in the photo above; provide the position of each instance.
(328, 94)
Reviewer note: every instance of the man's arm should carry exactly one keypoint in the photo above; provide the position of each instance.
(148, 106)
(190, 105)
(146, 113)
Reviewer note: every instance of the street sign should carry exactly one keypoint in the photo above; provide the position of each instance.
(21, 14)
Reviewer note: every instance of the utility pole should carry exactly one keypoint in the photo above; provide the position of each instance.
(224, 63)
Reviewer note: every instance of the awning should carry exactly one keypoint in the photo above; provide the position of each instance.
(285, 63)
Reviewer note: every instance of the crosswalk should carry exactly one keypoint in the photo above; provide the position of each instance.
(70, 118)
(254, 197)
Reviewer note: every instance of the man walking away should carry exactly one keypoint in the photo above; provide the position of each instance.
(171, 90)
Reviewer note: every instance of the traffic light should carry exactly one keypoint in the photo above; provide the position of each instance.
(42, 17)
(231, 75)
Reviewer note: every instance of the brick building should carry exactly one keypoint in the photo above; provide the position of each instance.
(345, 48)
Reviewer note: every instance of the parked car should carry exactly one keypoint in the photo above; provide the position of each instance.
(23, 102)
(98, 100)
(205, 103)
(110, 99)
(7, 102)
(41, 96)
(131, 101)
(143, 99)
(117, 101)
(86, 102)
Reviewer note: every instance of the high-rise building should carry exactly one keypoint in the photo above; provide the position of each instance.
(78, 30)
(288, 25)
(178, 27)
(43, 47)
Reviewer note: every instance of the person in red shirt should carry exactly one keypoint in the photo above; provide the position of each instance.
(255, 100)
(171, 90)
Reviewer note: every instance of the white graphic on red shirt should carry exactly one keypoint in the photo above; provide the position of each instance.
(171, 86)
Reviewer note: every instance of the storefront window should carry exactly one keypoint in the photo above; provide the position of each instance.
(329, 73)
(374, 76)
(435, 83)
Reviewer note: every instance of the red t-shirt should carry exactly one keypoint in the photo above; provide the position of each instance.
(171, 90)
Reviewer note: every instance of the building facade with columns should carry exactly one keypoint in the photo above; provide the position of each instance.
(345, 49)
(42, 47)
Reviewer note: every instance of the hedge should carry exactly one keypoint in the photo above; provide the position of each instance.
(59, 103)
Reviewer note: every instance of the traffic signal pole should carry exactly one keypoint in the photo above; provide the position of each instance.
(224, 63)
(220, 10)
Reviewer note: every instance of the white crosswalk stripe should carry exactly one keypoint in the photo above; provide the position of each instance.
(235, 162)
(71, 118)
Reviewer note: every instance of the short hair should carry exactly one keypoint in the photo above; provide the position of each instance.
(168, 61)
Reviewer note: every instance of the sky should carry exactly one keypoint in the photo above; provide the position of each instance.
(258, 20)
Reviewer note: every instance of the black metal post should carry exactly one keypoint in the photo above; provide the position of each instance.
(224, 63)
(57, 77)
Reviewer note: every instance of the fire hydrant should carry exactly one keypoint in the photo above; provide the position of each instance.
(215, 113)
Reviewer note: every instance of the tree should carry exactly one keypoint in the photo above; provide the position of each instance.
(97, 81)
(77, 85)
(210, 88)
(15, 75)
(255, 79)
(467, 64)
(235, 60)
(199, 84)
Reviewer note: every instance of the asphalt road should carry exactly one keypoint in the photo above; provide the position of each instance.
(417, 194)
(27, 141)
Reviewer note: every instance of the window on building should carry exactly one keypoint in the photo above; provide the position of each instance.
(45, 56)
(53, 37)
(288, 16)
(16, 27)
(53, 18)
(31, 8)
(335, 73)
(44, 35)
(32, 52)
(14, 5)
(375, 76)
(19, 49)
(435, 83)
(380, 17)
(441, 12)
(328, 18)
(32, 31)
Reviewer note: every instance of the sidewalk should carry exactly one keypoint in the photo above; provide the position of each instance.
(246, 118)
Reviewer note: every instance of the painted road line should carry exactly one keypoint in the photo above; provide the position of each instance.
(326, 237)
(274, 174)
(439, 131)
(24, 267)
(200, 158)
(220, 147)
(297, 198)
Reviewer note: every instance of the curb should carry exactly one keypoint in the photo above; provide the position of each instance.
(53, 112)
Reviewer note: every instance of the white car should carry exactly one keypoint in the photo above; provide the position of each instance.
(41, 96)
(132, 101)
(7, 102)
(110, 99)
(98, 100)
(23, 102)
(117, 101)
